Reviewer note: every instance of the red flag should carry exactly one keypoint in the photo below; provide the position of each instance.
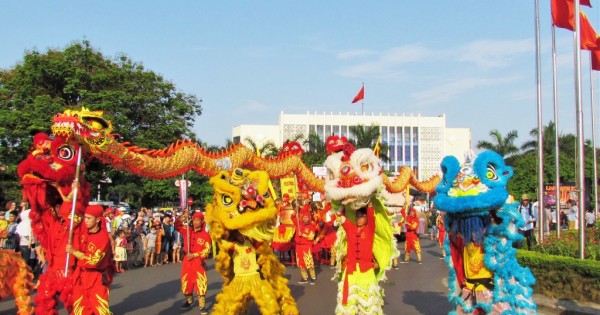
(589, 38)
(360, 95)
(595, 59)
(563, 13)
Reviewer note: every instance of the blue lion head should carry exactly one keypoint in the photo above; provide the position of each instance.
(478, 185)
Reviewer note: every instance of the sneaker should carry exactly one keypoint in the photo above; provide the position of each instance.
(303, 281)
(203, 311)
(396, 267)
(187, 305)
(313, 281)
(420, 262)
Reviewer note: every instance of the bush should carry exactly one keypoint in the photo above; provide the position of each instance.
(563, 277)
(568, 244)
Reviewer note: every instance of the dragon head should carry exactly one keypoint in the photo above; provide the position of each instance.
(478, 185)
(84, 125)
(242, 202)
(353, 177)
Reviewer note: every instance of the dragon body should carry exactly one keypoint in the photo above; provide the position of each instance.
(241, 221)
(95, 133)
(485, 276)
(47, 175)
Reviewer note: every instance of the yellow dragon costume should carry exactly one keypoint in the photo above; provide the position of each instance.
(241, 220)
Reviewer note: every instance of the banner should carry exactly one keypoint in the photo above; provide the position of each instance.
(566, 191)
(289, 186)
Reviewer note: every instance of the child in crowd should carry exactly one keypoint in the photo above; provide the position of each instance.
(120, 251)
(150, 247)
(176, 247)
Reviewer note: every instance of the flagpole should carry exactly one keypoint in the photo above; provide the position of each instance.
(595, 199)
(556, 143)
(540, 155)
(362, 105)
(579, 119)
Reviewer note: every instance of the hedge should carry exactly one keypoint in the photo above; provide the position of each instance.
(563, 277)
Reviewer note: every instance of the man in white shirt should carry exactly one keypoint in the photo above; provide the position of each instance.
(529, 216)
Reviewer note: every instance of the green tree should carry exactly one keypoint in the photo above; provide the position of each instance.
(366, 137)
(503, 145)
(268, 149)
(143, 107)
(316, 152)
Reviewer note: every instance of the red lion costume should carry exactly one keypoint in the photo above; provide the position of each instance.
(47, 175)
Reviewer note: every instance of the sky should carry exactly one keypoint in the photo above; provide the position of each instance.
(474, 61)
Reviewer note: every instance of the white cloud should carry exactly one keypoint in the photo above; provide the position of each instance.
(488, 54)
(250, 107)
(385, 64)
(451, 89)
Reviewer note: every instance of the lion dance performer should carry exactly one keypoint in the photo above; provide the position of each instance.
(365, 248)
(412, 238)
(305, 239)
(485, 276)
(47, 176)
(241, 222)
(95, 270)
(196, 243)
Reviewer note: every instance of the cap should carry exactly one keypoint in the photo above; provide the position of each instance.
(126, 216)
(94, 210)
(122, 209)
(110, 210)
(525, 197)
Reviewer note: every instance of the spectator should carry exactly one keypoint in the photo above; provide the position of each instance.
(590, 218)
(529, 216)
(167, 240)
(25, 238)
(572, 214)
(8, 237)
(10, 206)
(150, 247)
(120, 250)
(139, 234)
(160, 233)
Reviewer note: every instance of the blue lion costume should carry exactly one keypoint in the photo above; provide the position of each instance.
(485, 276)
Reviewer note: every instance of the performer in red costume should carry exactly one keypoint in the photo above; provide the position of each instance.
(47, 176)
(412, 239)
(196, 244)
(94, 272)
(305, 239)
(439, 222)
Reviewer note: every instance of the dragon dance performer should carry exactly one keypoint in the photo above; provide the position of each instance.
(93, 275)
(197, 246)
(305, 239)
(412, 239)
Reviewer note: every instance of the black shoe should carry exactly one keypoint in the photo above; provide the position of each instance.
(313, 281)
(187, 305)
(303, 281)
(203, 311)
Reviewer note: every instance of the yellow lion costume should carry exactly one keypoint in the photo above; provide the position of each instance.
(241, 220)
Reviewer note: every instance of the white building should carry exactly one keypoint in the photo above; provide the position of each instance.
(416, 141)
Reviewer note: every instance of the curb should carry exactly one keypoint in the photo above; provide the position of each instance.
(549, 305)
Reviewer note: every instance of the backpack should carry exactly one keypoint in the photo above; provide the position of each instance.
(529, 206)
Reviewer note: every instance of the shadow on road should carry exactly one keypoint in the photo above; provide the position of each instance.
(149, 297)
(427, 302)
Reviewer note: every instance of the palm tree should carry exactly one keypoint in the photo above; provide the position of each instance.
(366, 137)
(566, 142)
(268, 148)
(317, 152)
(503, 145)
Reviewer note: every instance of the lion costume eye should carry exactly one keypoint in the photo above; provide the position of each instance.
(491, 172)
(66, 153)
(226, 200)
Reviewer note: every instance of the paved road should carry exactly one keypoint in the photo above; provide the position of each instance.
(412, 289)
